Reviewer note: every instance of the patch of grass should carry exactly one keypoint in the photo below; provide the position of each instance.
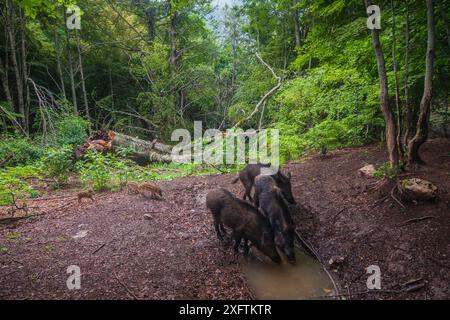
(3, 250)
(13, 235)
(386, 171)
(49, 248)
(34, 194)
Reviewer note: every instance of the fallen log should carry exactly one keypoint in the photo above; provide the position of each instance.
(145, 152)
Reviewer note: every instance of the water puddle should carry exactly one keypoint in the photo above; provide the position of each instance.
(304, 280)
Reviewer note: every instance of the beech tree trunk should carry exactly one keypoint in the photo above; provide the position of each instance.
(10, 23)
(421, 135)
(409, 127)
(83, 84)
(397, 90)
(71, 73)
(389, 119)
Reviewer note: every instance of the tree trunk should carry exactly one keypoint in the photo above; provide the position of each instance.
(421, 135)
(150, 15)
(15, 64)
(298, 41)
(174, 55)
(71, 73)
(83, 83)
(389, 119)
(24, 68)
(397, 90)
(444, 17)
(5, 84)
(409, 110)
(58, 66)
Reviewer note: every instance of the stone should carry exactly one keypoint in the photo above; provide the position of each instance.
(416, 189)
(368, 171)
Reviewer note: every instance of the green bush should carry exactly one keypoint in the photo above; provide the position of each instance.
(98, 170)
(71, 130)
(20, 151)
(57, 163)
(13, 182)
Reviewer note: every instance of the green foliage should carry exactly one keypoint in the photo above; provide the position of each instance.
(13, 181)
(71, 130)
(57, 163)
(19, 151)
(386, 171)
(97, 170)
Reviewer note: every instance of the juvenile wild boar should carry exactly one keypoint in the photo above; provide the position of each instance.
(270, 199)
(89, 194)
(147, 190)
(246, 221)
(249, 173)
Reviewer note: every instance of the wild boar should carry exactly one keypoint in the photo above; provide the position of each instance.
(147, 190)
(248, 175)
(246, 221)
(89, 194)
(270, 199)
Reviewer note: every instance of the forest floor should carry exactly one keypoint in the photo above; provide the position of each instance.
(128, 248)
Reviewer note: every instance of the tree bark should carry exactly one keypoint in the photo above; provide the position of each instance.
(24, 69)
(389, 119)
(58, 66)
(298, 41)
(150, 15)
(397, 90)
(15, 64)
(409, 110)
(421, 135)
(5, 83)
(71, 73)
(174, 55)
(83, 83)
(445, 18)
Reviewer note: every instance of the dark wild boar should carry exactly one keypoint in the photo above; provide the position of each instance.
(248, 175)
(246, 221)
(270, 199)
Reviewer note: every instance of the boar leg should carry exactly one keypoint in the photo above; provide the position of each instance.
(248, 191)
(217, 226)
(237, 241)
(246, 247)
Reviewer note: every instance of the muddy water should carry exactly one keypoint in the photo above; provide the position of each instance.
(304, 280)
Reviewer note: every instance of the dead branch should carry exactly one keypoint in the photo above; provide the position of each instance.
(125, 287)
(265, 97)
(416, 220)
(310, 249)
(396, 200)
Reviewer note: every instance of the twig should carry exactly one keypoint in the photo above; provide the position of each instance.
(125, 287)
(337, 215)
(266, 96)
(12, 219)
(5, 160)
(396, 200)
(416, 220)
(99, 248)
(312, 251)
(217, 168)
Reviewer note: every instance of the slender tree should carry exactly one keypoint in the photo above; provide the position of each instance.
(388, 114)
(421, 135)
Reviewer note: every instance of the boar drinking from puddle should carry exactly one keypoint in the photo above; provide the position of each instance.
(246, 221)
(270, 199)
(248, 175)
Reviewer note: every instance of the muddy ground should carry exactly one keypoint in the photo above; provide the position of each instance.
(131, 248)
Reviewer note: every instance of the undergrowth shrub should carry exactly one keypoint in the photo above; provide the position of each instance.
(57, 164)
(13, 181)
(18, 151)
